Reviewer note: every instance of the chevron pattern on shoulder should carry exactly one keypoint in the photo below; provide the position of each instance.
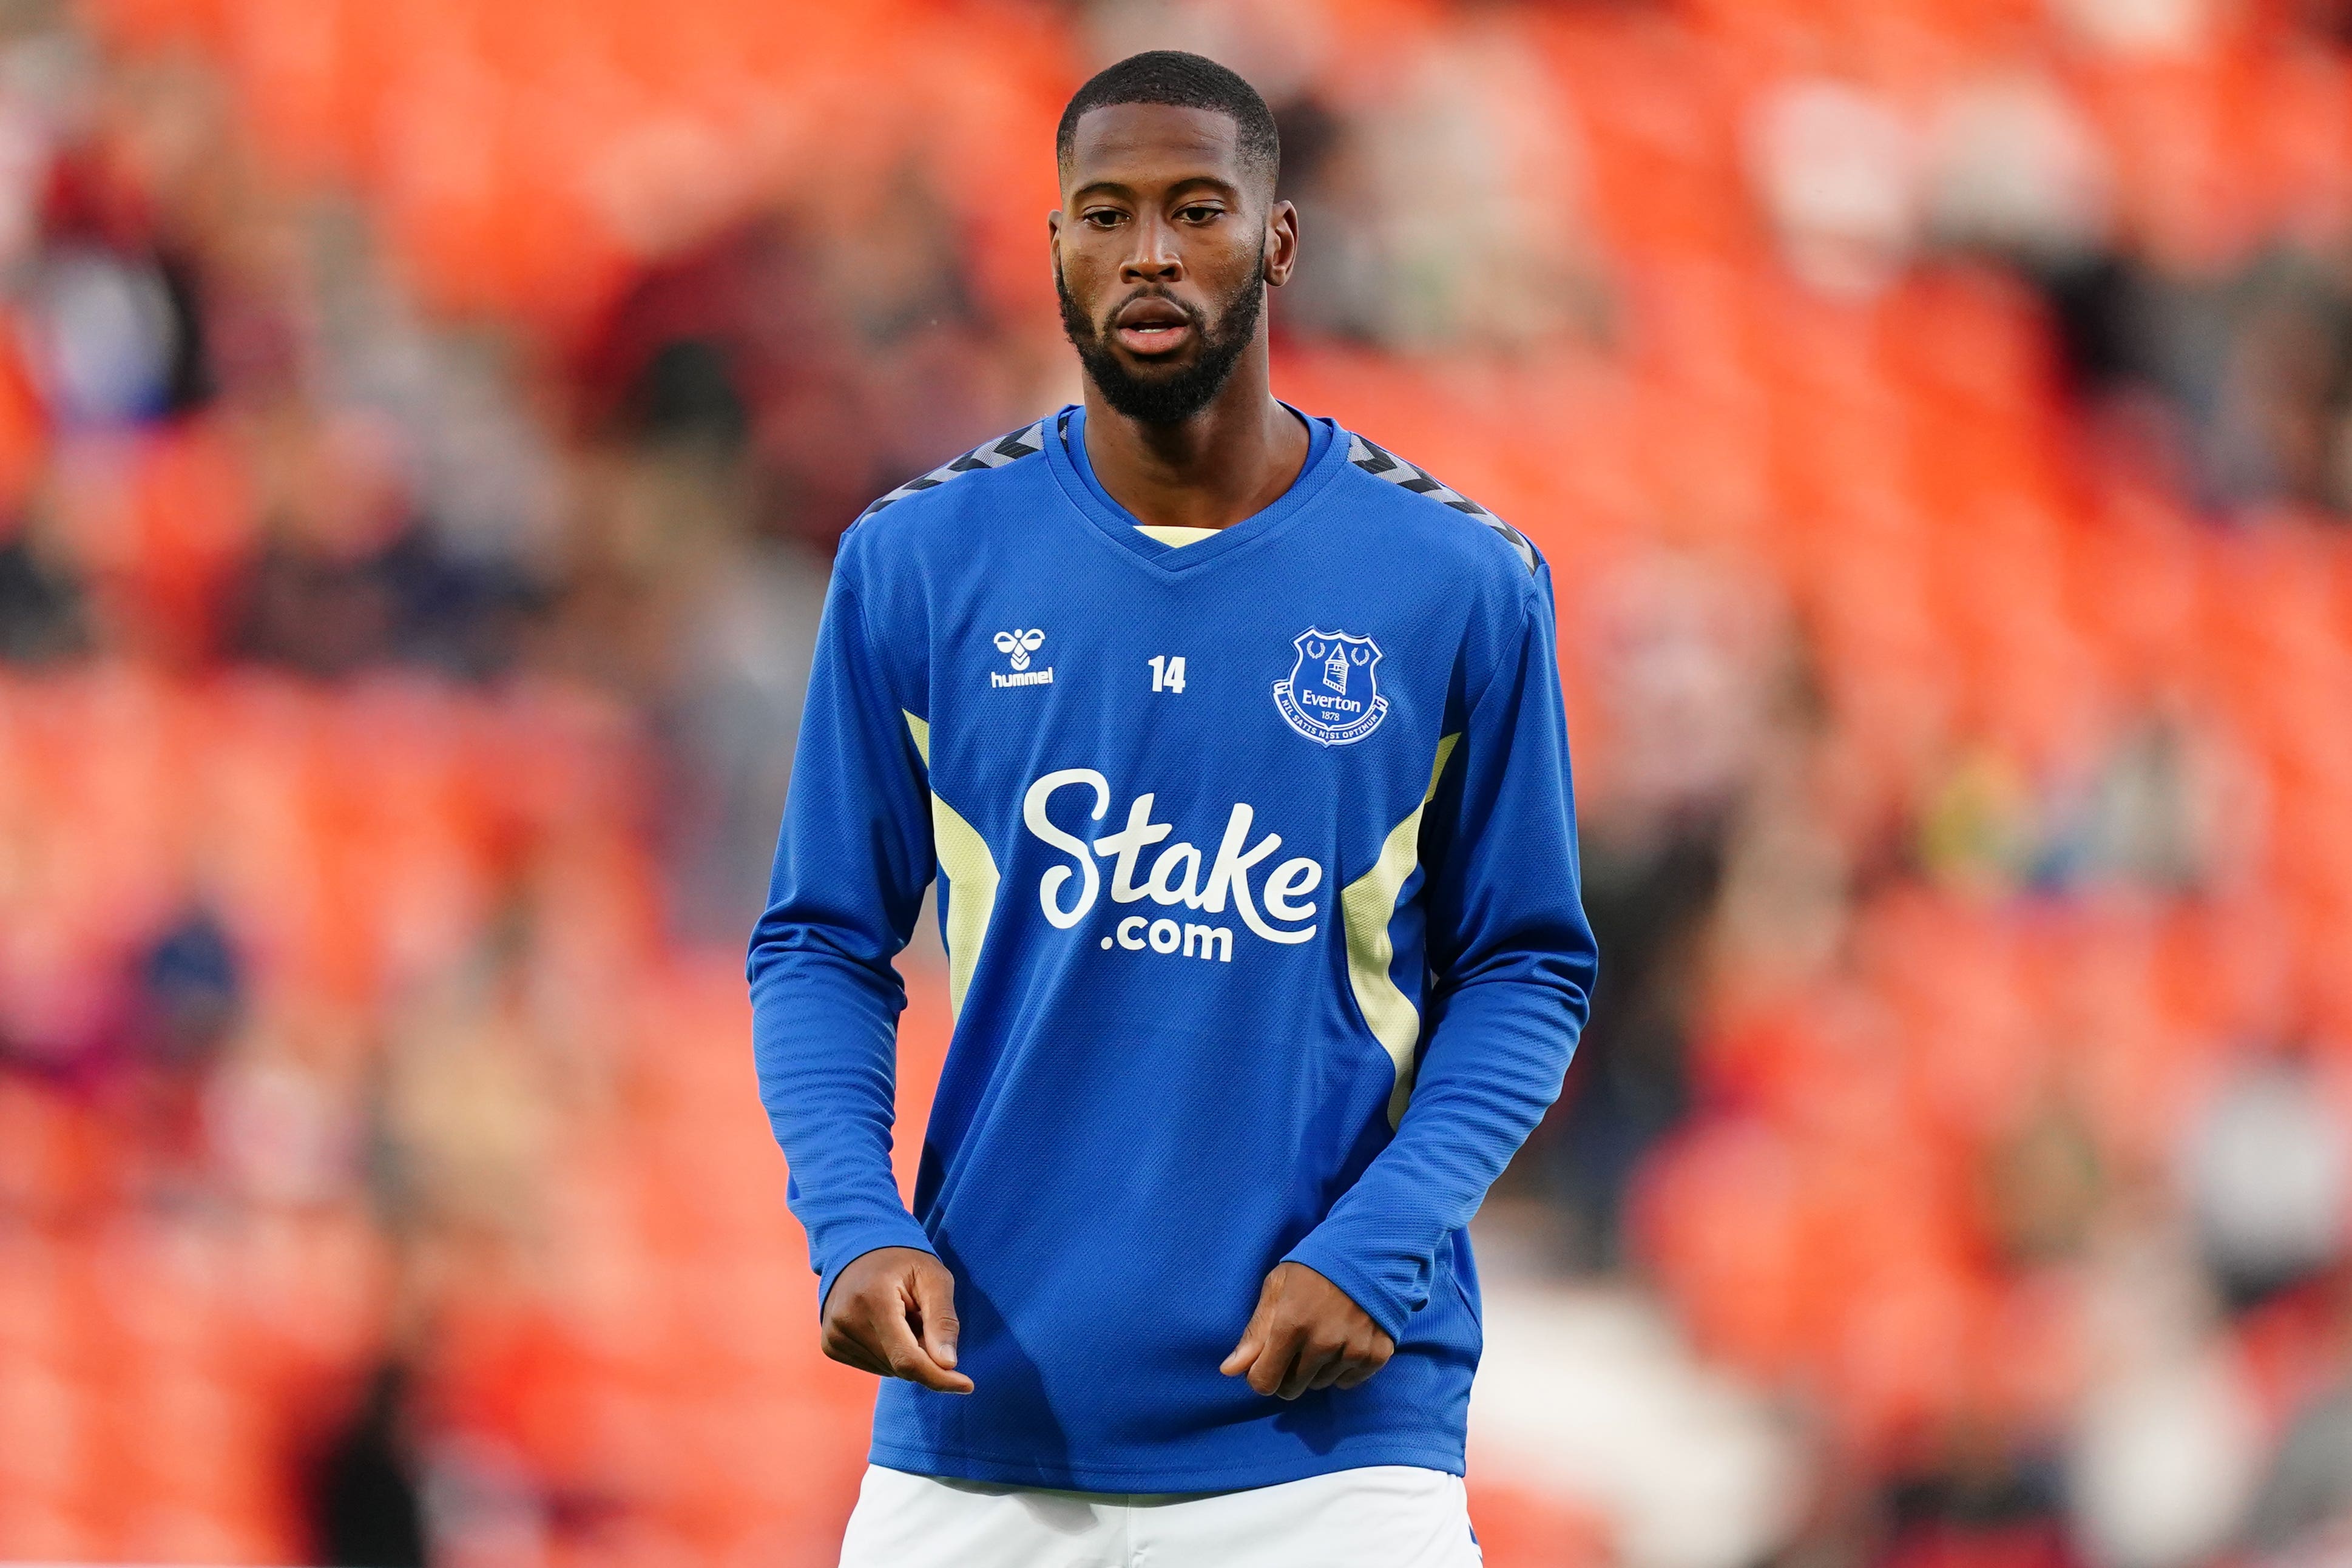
(1022, 442)
(1384, 464)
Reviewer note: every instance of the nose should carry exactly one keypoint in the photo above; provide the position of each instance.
(1153, 257)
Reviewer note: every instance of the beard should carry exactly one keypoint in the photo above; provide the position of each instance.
(1172, 397)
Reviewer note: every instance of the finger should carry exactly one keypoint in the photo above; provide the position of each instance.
(1252, 1339)
(1273, 1360)
(1303, 1372)
(935, 1301)
(851, 1337)
(908, 1359)
(1361, 1368)
(1333, 1370)
(849, 1350)
(1251, 1346)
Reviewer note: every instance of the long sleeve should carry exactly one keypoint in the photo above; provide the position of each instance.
(1511, 965)
(852, 861)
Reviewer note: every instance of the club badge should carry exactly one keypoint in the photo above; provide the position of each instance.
(1333, 695)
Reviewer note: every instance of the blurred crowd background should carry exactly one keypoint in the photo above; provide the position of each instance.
(422, 431)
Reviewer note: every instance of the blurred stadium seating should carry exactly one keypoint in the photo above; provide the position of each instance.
(420, 429)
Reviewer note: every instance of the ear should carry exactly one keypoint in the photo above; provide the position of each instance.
(1281, 242)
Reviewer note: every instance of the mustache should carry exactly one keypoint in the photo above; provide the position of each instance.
(1193, 314)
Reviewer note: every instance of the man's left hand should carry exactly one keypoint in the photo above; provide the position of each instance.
(1307, 1333)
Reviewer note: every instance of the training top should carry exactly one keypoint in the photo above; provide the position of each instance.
(1258, 885)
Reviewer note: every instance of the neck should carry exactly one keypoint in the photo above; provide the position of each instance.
(1230, 461)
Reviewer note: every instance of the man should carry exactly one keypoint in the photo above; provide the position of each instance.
(1236, 745)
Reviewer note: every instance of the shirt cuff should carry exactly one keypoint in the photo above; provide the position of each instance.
(1390, 1308)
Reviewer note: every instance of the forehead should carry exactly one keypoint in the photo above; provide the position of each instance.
(1143, 144)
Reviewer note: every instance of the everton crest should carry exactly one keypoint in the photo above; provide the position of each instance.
(1333, 694)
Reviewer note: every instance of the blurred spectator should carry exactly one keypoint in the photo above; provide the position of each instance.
(2043, 1187)
(2248, 370)
(469, 1109)
(2166, 1438)
(190, 993)
(1453, 210)
(2268, 1173)
(2302, 1511)
(112, 334)
(41, 604)
(1682, 652)
(2156, 811)
(743, 669)
(2280, 426)
(1978, 1504)
(728, 353)
(1838, 171)
(2139, 26)
(2162, 807)
(1442, 192)
(2013, 167)
(1979, 829)
(365, 1506)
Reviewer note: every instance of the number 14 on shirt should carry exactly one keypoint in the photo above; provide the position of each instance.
(1167, 674)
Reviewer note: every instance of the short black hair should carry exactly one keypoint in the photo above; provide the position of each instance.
(1180, 80)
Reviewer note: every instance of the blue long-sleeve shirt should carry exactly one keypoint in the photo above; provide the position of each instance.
(1258, 885)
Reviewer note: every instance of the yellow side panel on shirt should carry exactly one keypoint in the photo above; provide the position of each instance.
(1366, 905)
(971, 872)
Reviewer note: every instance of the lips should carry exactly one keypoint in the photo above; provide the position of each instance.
(1151, 325)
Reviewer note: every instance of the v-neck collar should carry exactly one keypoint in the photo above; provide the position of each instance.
(1326, 453)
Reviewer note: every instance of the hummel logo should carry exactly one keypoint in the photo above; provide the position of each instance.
(1017, 647)
(1020, 646)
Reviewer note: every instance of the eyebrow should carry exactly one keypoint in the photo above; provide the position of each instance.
(1120, 188)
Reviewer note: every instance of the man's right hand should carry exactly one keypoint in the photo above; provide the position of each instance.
(892, 1312)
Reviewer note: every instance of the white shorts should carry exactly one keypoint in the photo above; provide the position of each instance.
(1383, 1516)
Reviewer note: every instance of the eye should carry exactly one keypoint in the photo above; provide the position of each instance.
(1103, 217)
(1200, 211)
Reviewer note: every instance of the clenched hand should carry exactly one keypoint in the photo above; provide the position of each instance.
(1307, 1333)
(892, 1312)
